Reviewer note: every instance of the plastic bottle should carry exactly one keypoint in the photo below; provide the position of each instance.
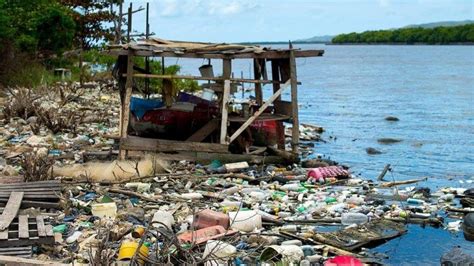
(291, 187)
(353, 218)
(415, 201)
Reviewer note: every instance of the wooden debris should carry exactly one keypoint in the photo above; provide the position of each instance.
(11, 210)
(25, 231)
(10, 260)
(42, 194)
(384, 172)
(404, 182)
(23, 252)
(350, 239)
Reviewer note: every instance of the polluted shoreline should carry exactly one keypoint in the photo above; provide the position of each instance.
(153, 209)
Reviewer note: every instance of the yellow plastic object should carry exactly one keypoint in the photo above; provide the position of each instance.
(128, 248)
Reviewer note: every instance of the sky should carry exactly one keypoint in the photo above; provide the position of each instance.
(283, 20)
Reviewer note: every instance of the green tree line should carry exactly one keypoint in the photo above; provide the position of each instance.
(438, 35)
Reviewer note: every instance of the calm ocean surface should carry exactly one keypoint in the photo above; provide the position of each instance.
(351, 89)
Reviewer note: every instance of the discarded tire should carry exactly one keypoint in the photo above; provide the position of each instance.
(468, 227)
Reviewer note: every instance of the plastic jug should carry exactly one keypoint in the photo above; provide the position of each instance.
(353, 218)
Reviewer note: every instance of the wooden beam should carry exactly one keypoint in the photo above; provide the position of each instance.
(260, 111)
(242, 80)
(23, 227)
(126, 102)
(257, 74)
(276, 78)
(225, 114)
(264, 55)
(295, 136)
(17, 261)
(40, 226)
(204, 131)
(160, 145)
(11, 210)
(226, 73)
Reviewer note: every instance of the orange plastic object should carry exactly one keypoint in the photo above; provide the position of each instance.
(203, 235)
(207, 218)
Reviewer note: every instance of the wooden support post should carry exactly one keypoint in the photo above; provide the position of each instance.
(225, 100)
(126, 102)
(147, 60)
(226, 72)
(295, 136)
(259, 112)
(276, 77)
(257, 72)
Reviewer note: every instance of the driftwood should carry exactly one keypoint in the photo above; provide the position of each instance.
(315, 221)
(404, 182)
(463, 210)
(384, 172)
(430, 221)
(133, 194)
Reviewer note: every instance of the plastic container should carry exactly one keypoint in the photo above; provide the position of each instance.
(207, 218)
(163, 218)
(291, 187)
(203, 235)
(288, 254)
(245, 221)
(207, 94)
(127, 250)
(415, 201)
(206, 71)
(353, 218)
(219, 250)
(104, 210)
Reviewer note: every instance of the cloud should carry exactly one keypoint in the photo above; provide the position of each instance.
(178, 8)
(384, 3)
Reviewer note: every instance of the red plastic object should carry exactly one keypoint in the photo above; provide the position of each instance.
(321, 173)
(203, 235)
(269, 132)
(207, 218)
(343, 261)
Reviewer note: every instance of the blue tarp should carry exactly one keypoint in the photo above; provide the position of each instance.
(140, 106)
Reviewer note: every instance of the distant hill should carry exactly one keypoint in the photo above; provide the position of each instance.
(316, 39)
(440, 24)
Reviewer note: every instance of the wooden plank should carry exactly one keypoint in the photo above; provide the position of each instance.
(260, 110)
(133, 143)
(35, 204)
(283, 107)
(295, 136)
(14, 261)
(4, 234)
(39, 189)
(11, 209)
(37, 184)
(40, 226)
(204, 131)
(264, 55)
(262, 117)
(225, 114)
(49, 230)
(23, 226)
(257, 73)
(126, 102)
(241, 80)
(226, 73)
(276, 78)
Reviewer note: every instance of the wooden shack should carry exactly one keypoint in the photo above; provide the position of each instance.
(283, 76)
